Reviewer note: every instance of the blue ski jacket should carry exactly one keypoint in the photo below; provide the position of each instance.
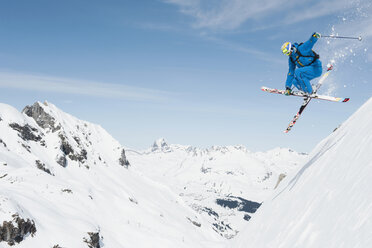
(303, 57)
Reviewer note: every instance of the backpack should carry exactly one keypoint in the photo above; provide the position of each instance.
(315, 56)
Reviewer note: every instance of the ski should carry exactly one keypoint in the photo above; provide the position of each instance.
(295, 118)
(307, 100)
(301, 94)
(329, 98)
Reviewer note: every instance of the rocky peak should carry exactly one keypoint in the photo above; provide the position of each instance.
(42, 118)
(16, 230)
(123, 161)
(161, 145)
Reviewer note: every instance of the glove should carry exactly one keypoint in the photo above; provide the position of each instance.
(288, 91)
(317, 35)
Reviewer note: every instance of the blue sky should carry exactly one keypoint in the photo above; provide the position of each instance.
(189, 71)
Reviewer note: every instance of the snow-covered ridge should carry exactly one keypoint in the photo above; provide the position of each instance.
(161, 145)
(225, 184)
(58, 136)
(70, 184)
(327, 202)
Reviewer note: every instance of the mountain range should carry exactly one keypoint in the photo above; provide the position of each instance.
(68, 183)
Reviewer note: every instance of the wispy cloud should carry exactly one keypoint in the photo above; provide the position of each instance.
(180, 102)
(223, 14)
(42, 83)
(231, 14)
(265, 56)
(313, 10)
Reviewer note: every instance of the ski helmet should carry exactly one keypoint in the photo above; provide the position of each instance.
(287, 48)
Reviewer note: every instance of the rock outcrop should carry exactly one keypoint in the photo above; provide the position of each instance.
(123, 161)
(15, 231)
(93, 240)
(42, 118)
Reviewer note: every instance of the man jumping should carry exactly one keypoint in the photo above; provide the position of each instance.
(307, 62)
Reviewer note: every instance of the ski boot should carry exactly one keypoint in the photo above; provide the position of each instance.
(288, 91)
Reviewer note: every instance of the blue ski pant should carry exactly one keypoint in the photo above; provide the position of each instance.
(303, 75)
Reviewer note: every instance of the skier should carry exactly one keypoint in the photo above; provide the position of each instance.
(308, 63)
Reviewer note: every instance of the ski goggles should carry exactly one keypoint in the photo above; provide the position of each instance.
(287, 48)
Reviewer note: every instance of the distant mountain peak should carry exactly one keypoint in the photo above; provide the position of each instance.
(42, 118)
(160, 144)
(51, 160)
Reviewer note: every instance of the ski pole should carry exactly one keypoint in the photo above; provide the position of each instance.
(342, 37)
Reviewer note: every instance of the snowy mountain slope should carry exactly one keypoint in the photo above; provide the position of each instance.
(328, 202)
(71, 184)
(224, 184)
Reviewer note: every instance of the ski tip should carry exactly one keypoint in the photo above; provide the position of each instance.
(346, 100)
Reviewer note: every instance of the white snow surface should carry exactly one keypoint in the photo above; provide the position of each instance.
(94, 194)
(167, 196)
(328, 202)
(204, 176)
